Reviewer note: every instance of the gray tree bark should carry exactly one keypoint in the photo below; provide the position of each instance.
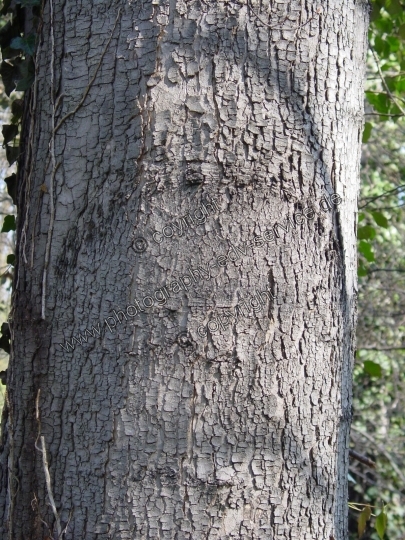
(184, 304)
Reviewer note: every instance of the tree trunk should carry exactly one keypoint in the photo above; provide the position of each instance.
(184, 306)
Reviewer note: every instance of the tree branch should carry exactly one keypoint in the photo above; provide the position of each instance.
(383, 451)
(372, 199)
(362, 459)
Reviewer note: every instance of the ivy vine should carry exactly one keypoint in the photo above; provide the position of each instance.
(17, 71)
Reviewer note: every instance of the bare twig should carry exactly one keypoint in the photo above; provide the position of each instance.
(390, 207)
(54, 167)
(52, 147)
(382, 114)
(399, 270)
(383, 451)
(49, 488)
(29, 161)
(362, 459)
(389, 192)
(394, 99)
(381, 349)
(45, 465)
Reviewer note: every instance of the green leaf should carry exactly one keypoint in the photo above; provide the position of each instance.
(368, 126)
(372, 369)
(361, 270)
(381, 47)
(401, 31)
(380, 219)
(17, 108)
(366, 250)
(9, 224)
(394, 7)
(27, 44)
(381, 523)
(12, 153)
(11, 259)
(5, 338)
(9, 132)
(5, 344)
(11, 182)
(27, 74)
(380, 101)
(393, 42)
(9, 74)
(7, 33)
(364, 516)
(366, 233)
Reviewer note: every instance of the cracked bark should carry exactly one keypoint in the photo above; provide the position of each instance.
(236, 433)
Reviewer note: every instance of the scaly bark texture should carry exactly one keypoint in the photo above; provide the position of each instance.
(215, 402)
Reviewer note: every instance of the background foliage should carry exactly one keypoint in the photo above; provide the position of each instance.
(378, 429)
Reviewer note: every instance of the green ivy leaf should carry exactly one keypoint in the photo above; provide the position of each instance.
(380, 219)
(27, 72)
(7, 33)
(9, 73)
(26, 44)
(11, 259)
(381, 523)
(9, 132)
(9, 224)
(368, 126)
(17, 108)
(5, 338)
(12, 153)
(364, 516)
(372, 368)
(366, 232)
(366, 250)
(11, 182)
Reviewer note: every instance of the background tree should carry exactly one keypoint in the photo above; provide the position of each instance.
(379, 391)
(218, 407)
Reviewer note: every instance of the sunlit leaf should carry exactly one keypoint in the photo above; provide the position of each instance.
(366, 250)
(364, 516)
(380, 219)
(381, 524)
(366, 232)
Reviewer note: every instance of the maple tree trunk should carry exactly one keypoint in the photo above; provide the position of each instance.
(185, 291)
